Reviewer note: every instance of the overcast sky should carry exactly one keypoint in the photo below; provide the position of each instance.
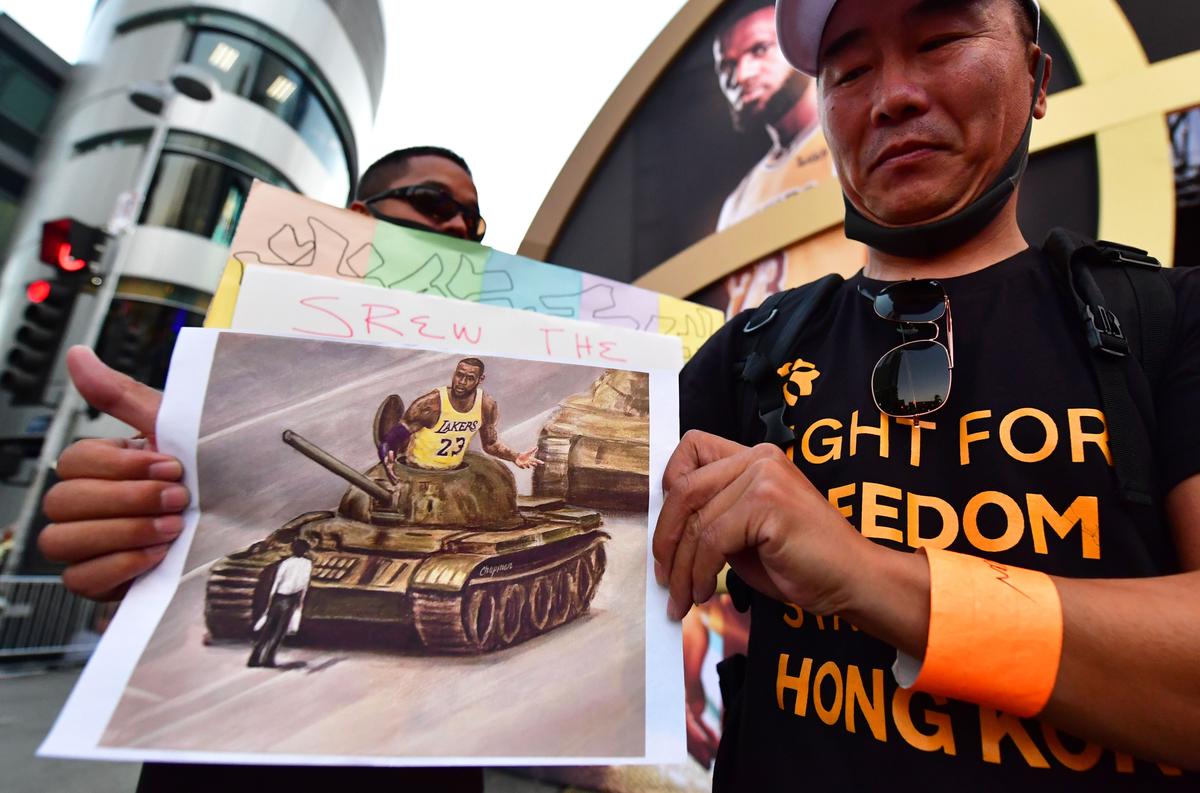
(511, 85)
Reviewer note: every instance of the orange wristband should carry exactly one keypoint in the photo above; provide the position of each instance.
(995, 633)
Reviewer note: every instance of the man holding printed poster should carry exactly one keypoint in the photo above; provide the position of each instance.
(991, 586)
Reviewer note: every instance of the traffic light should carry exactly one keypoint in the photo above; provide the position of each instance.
(36, 344)
(71, 245)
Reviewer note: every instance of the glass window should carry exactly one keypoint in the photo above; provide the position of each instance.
(10, 207)
(125, 137)
(277, 88)
(316, 127)
(233, 61)
(26, 102)
(249, 70)
(200, 185)
(197, 196)
(212, 149)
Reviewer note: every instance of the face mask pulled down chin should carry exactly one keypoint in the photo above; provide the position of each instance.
(927, 240)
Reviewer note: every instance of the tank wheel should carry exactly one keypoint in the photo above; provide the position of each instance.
(512, 605)
(575, 570)
(541, 603)
(585, 586)
(598, 561)
(560, 596)
(480, 619)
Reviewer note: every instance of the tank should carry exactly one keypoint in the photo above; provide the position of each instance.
(448, 561)
(596, 446)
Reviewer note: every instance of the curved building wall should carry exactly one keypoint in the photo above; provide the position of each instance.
(300, 82)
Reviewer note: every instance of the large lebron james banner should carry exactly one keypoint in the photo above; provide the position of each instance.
(706, 175)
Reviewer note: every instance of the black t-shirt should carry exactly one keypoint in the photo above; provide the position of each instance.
(1015, 467)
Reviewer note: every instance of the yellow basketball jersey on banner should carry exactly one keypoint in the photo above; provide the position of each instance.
(445, 444)
(802, 167)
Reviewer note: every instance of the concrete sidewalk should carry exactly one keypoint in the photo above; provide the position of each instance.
(28, 705)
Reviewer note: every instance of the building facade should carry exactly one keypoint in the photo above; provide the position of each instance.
(31, 78)
(299, 83)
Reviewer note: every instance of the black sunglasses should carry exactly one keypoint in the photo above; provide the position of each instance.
(913, 378)
(437, 205)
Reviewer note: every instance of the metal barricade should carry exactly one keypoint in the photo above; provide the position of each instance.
(39, 617)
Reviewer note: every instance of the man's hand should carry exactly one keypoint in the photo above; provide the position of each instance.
(117, 506)
(527, 459)
(752, 508)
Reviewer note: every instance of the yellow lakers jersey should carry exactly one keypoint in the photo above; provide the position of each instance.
(804, 165)
(445, 443)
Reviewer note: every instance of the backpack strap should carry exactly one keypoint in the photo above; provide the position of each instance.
(1127, 309)
(1134, 283)
(772, 330)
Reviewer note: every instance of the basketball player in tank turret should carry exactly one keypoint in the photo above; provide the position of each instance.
(438, 427)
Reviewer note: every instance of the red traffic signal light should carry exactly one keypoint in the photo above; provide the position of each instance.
(67, 261)
(70, 245)
(38, 291)
(38, 339)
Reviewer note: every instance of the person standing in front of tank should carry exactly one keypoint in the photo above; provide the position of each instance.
(438, 427)
(285, 604)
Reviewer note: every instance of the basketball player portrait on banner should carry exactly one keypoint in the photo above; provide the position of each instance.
(765, 94)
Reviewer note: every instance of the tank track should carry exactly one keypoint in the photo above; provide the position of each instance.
(492, 614)
(230, 597)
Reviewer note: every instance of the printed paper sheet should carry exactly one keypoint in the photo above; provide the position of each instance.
(508, 618)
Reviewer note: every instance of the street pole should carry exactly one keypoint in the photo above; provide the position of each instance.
(121, 225)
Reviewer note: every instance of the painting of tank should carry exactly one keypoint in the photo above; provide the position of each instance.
(405, 553)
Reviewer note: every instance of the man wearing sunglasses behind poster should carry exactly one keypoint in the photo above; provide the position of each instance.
(422, 187)
(1045, 633)
(117, 507)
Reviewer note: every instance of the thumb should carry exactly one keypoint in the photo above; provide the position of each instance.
(112, 392)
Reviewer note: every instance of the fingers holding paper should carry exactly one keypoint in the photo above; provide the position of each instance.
(107, 577)
(118, 502)
(113, 392)
(752, 508)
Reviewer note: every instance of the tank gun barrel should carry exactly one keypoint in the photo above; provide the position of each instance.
(334, 465)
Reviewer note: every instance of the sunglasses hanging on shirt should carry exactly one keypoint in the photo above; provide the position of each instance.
(913, 378)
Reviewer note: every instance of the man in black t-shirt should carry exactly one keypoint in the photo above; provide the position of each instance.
(926, 106)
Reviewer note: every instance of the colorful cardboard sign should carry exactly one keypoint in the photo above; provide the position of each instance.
(282, 229)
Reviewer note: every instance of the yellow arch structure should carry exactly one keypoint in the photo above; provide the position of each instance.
(1122, 101)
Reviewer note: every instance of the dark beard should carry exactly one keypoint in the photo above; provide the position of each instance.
(776, 107)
